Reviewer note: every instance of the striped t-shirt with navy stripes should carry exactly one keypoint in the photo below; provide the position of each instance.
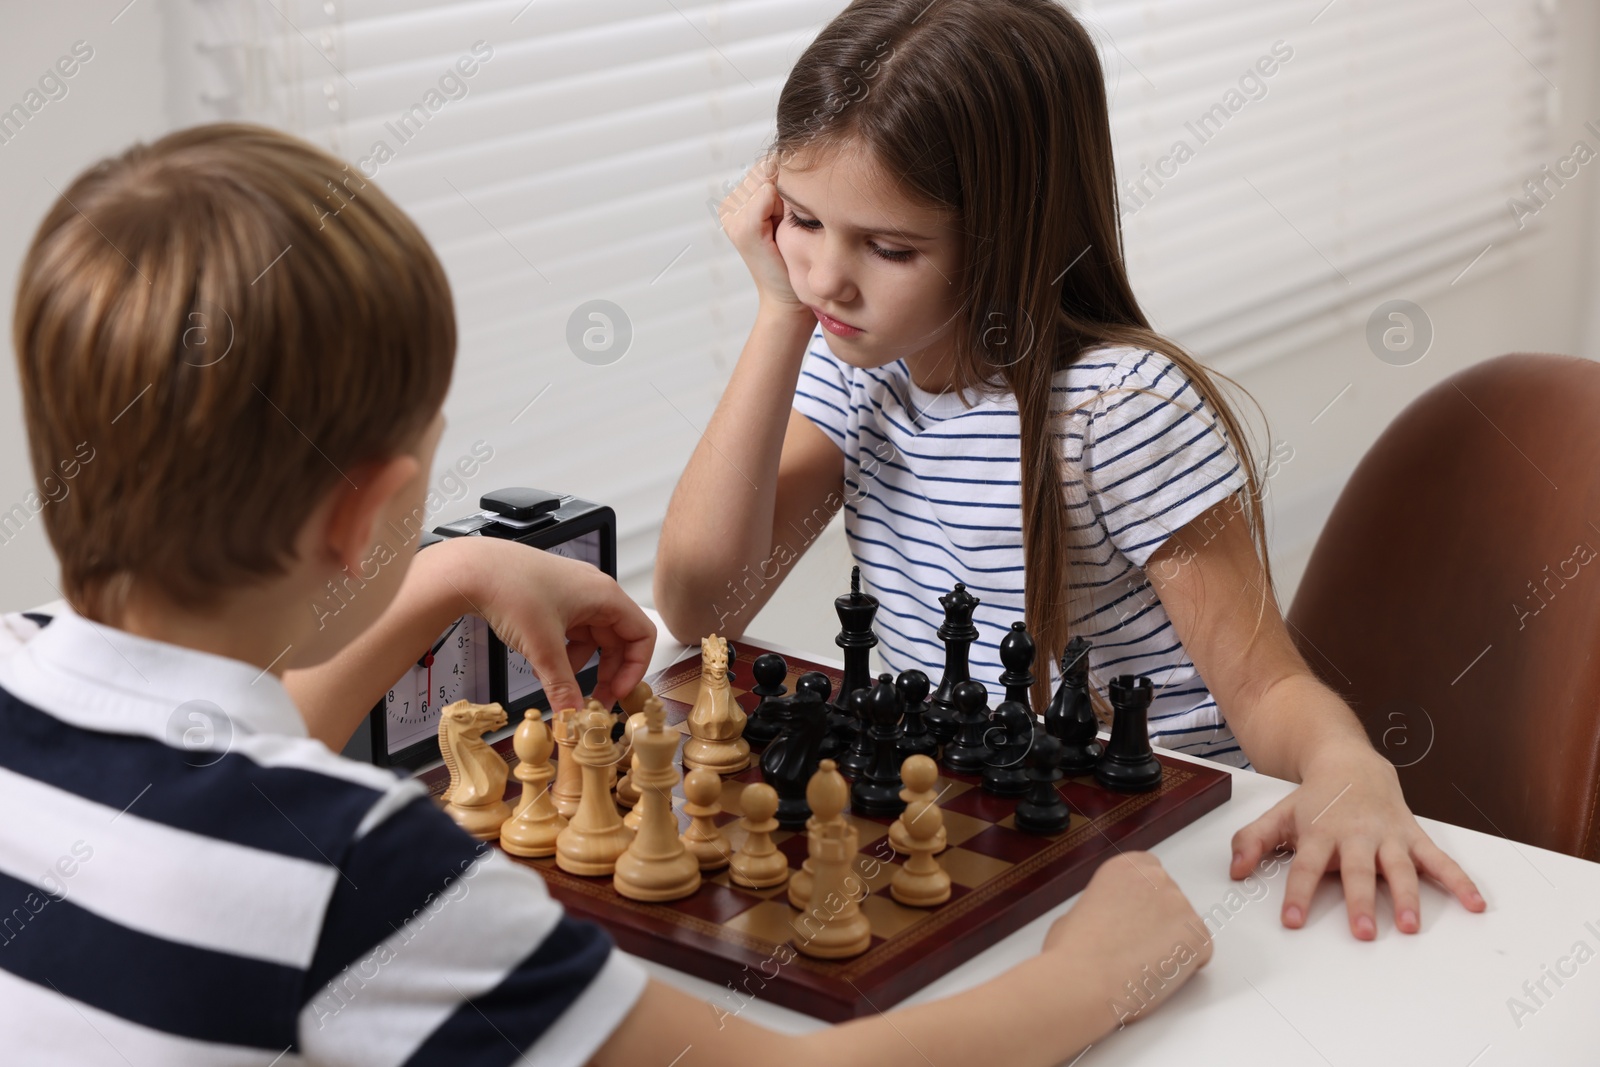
(933, 497)
(187, 878)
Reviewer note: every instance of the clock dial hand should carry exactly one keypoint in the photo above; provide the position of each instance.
(427, 659)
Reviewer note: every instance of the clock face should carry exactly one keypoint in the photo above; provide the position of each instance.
(455, 668)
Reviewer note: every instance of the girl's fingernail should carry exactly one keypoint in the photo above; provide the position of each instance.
(1408, 920)
(1292, 915)
(1365, 928)
(1238, 858)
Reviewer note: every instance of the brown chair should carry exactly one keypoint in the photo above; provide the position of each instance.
(1453, 599)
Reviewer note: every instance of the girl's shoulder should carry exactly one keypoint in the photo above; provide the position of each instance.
(1102, 371)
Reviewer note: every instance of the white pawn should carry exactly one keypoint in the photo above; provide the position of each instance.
(920, 774)
(532, 829)
(759, 864)
(702, 791)
(921, 882)
(569, 775)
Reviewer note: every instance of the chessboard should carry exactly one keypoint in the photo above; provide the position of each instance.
(1001, 877)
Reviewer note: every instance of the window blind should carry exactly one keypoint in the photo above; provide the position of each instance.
(559, 152)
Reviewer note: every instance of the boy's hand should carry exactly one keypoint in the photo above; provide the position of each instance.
(1349, 815)
(1132, 924)
(750, 216)
(556, 612)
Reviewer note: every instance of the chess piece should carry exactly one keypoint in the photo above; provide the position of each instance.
(968, 750)
(531, 831)
(1016, 656)
(769, 671)
(856, 611)
(832, 925)
(594, 837)
(656, 866)
(476, 795)
(632, 706)
(921, 882)
(702, 792)
(791, 759)
(915, 740)
(1010, 737)
(1043, 811)
(920, 773)
(627, 786)
(758, 863)
(876, 791)
(614, 729)
(957, 633)
(1070, 718)
(853, 764)
(716, 722)
(569, 776)
(1128, 763)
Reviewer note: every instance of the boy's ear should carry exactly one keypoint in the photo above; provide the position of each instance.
(360, 501)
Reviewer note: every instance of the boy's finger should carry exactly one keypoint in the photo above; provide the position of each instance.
(1401, 875)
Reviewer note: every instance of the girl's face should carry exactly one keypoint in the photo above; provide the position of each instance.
(861, 253)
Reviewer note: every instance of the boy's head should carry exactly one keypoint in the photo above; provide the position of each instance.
(243, 334)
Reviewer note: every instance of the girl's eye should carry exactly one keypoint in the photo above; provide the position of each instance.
(882, 253)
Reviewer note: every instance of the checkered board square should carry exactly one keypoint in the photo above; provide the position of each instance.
(1001, 877)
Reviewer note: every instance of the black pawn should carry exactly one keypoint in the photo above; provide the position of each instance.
(769, 670)
(791, 759)
(1070, 717)
(957, 633)
(1043, 811)
(877, 791)
(1010, 738)
(854, 763)
(817, 683)
(1016, 656)
(968, 751)
(915, 740)
(1129, 764)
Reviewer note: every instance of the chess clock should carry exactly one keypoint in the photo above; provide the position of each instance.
(468, 661)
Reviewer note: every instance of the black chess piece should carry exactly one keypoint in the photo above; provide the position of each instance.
(816, 682)
(858, 757)
(1043, 811)
(1070, 717)
(957, 633)
(1128, 763)
(876, 791)
(968, 750)
(769, 670)
(856, 611)
(791, 759)
(915, 740)
(1016, 656)
(1010, 738)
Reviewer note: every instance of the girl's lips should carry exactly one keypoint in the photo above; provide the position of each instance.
(834, 325)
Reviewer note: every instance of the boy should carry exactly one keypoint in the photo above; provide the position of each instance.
(256, 350)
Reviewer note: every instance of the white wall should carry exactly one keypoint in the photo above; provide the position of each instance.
(1541, 296)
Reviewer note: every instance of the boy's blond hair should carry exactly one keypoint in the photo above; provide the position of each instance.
(228, 321)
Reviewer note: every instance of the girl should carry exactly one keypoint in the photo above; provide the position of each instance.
(947, 347)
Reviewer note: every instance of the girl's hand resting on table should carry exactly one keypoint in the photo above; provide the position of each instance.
(1349, 815)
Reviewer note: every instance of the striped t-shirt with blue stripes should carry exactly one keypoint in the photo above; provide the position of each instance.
(187, 878)
(933, 497)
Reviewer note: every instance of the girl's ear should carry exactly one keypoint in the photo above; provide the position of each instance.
(359, 502)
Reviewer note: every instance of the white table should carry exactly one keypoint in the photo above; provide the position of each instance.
(1317, 996)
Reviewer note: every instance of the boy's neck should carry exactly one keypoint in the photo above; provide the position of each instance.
(255, 626)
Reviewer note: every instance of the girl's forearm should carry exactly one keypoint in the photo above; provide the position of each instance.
(1293, 720)
(720, 517)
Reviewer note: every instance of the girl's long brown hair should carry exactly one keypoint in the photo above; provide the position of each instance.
(995, 111)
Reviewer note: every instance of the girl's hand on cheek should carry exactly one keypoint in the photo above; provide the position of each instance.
(750, 216)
